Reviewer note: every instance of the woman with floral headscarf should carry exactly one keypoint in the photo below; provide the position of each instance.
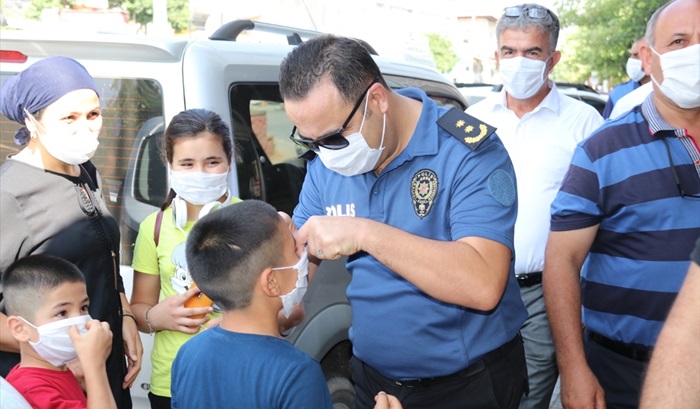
(51, 202)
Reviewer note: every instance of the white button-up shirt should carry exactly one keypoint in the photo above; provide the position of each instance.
(541, 145)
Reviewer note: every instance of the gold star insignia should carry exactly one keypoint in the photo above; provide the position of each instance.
(468, 129)
(459, 124)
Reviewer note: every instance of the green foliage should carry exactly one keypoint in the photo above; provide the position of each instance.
(441, 48)
(141, 11)
(599, 33)
(36, 6)
(179, 14)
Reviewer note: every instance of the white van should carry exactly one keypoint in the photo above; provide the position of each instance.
(144, 82)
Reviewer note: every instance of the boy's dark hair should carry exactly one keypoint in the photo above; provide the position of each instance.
(229, 248)
(27, 279)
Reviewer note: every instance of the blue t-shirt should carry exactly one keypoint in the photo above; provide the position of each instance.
(620, 179)
(436, 188)
(223, 369)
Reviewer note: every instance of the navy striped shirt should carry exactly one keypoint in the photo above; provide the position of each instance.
(621, 179)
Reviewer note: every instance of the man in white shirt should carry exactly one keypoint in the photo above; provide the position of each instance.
(540, 128)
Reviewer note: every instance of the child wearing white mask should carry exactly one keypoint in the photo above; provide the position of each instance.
(244, 257)
(47, 305)
(197, 149)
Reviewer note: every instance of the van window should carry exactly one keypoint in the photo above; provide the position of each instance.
(127, 104)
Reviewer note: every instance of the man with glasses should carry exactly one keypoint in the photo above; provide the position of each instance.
(422, 200)
(626, 218)
(540, 128)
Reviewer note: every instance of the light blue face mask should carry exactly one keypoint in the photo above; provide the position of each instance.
(295, 296)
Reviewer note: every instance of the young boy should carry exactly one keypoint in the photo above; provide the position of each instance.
(47, 307)
(243, 257)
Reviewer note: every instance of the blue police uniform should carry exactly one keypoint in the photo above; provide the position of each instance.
(617, 93)
(440, 189)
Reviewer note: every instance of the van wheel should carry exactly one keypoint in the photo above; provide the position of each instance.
(342, 392)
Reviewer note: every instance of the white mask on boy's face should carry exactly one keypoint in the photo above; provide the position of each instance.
(295, 296)
(54, 344)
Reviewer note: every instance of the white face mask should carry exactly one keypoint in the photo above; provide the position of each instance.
(295, 296)
(634, 69)
(199, 188)
(72, 146)
(681, 80)
(522, 77)
(356, 158)
(54, 344)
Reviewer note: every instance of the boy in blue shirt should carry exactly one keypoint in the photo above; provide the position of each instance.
(243, 257)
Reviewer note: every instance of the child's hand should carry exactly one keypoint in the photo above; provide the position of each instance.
(94, 346)
(171, 313)
(384, 401)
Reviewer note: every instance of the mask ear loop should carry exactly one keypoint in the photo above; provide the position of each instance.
(364, 113)
(33, 133)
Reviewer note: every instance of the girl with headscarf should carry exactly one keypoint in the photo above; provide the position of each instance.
(51, 202)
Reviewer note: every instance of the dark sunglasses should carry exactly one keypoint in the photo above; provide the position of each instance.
(675, 175)
(536, 13)
(335, 140)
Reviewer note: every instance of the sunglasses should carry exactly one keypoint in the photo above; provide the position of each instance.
(675, 175)
(536, 13)
(335, 140)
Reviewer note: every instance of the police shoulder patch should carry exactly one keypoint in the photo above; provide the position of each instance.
(471, 131)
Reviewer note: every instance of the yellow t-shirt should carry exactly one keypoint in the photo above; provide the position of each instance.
(167, 261)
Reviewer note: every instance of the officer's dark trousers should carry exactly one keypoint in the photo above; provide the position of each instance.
(497, 381)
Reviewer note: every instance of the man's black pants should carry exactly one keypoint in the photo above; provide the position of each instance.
(497, 381)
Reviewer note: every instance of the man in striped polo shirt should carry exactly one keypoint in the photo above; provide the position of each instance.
(626, 218)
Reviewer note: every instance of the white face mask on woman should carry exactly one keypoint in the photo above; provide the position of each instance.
(72, 146)
(199, 188)
(356, 158)
(295, 296)
(522, 77)
(681, 80)
(54, 344)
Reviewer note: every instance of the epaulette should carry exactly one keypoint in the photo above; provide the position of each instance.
(469, 130)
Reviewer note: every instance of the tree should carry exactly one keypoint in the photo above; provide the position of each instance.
(599, 33)
(441, 48)
(141, 11)
(36, 6)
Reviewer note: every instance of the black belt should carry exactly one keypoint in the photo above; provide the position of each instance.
(529, 279)
(638, 354)
(471, 370)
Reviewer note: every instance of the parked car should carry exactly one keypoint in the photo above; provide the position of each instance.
(144, 82)
(476, 92)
